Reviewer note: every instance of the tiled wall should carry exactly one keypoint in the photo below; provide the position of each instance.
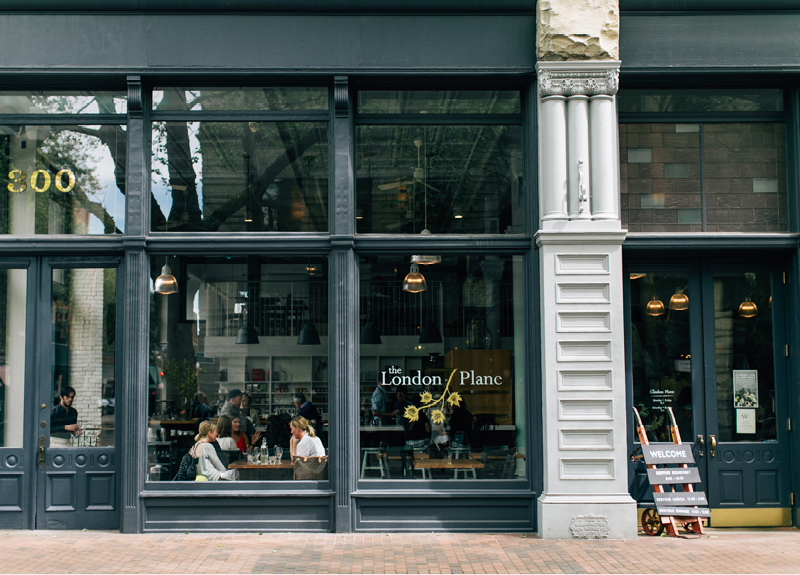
(744, 165)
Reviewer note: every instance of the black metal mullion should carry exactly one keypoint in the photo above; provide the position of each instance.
(63, 119)
(698, 117)
(320, 116)
(702, 177)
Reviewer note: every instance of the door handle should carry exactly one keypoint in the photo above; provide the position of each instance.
(41, 451)
(701, 442)
(713, 449)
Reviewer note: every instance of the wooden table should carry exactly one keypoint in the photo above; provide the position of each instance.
(257, 471)
(455, 465)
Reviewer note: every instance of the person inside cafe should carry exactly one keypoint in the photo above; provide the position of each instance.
(232, 410)
(209, 466)
(304, 442)
(382, 410)
(230, 435)
(64, 420)
(460, 425)
(417, 434)
(308, 410)
(247, 410)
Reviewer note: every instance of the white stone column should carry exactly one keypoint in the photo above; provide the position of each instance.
(553, 147)
(585, 487)
(578, 189)
(603, 148)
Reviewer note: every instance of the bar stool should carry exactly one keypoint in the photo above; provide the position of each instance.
(376, 452)
(457, 452)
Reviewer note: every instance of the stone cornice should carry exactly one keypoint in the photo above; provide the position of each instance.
(578, 78)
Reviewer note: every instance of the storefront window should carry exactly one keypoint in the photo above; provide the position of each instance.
(240, 342)
(240, 176)
(13, 310)
(661, 352)
(442, 368)
(63, 179)
(685, 166)
(437, 177)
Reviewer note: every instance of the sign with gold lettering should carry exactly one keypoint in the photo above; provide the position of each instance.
(40, 181)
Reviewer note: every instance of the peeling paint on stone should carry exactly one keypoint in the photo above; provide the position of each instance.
(577, 30)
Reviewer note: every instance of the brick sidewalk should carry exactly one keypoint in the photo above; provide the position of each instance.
(719, 551)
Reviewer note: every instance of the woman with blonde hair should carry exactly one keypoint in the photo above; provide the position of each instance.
(304, 442)
(209, 467)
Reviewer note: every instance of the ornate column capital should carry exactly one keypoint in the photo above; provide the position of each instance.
(578, 78)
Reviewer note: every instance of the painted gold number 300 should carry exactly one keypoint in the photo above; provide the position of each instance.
(17, 181)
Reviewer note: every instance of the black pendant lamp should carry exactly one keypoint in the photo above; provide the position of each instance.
(308, 335)
(370, 335)
(430, 334)
(247, 335)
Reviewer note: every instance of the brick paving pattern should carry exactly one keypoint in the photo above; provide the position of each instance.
(719, 551)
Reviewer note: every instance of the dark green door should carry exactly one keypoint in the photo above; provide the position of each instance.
(746, 415)
(709, 342)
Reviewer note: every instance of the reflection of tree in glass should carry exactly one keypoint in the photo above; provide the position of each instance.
(227, 151)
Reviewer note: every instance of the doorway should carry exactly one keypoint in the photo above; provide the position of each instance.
(59, 367)
(708, 340)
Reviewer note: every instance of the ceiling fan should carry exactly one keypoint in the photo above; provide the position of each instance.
(418, 176)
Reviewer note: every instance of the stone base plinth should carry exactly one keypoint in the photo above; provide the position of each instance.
(567, 517)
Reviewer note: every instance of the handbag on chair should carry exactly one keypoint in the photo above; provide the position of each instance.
(310, 468)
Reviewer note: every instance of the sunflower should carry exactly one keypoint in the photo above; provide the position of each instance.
(426, 397)
(437, 416)
(454, 398)
(412, 413)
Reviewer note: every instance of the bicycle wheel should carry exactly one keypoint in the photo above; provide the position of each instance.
(651, 522)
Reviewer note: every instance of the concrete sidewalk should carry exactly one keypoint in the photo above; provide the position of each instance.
(719, 551)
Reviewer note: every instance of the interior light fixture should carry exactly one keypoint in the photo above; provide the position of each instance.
(679, 301)
(166, 284)
(430, 334)
(370, 335)
(308, 334)
(414, 282)
(748, 308)
(458, 211)
(247, 334)
(655, 307)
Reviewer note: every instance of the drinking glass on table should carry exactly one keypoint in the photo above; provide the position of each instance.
(278, 452)
(257, 454)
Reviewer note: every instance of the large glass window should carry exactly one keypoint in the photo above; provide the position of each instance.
(240, 176)
(61, 179)
(442, 368)
(714, 177)
(240, 342)
(685, 166)
(268, 173)
(13, 310)
(454, 173)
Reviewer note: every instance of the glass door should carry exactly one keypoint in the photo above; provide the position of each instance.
(16, 458)
(665, 339)
(76, 387)
(746, 397)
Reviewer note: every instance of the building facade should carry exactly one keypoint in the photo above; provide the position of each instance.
(473, 236)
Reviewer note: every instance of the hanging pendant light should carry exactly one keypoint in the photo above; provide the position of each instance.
(679, 301)
(370, 335)
(748, 308)
(414, 282)
(424, 260)
(654, 307)
(166, 284)
(247, 335)
(308, 335)
(430, 334)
